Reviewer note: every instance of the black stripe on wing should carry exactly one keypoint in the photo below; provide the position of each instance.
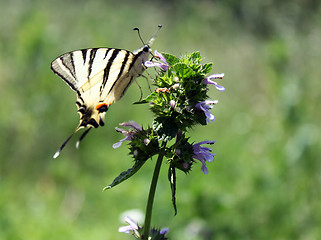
(65, 79)
(123, 65)
(108, 49)
(107, 69)
(68, 61)
(84, 54)
(126, 58)
(124, 90)
(64, 67)
(91, 60)
(136, 57)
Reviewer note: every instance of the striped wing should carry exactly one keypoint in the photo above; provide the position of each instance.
(85, 68)
(100, 77)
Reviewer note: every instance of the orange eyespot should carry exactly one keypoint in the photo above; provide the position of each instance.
(102, 107)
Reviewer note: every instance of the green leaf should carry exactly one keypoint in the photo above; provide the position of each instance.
(183, 71)
(125, 174)
(171, 59)
(207, 68)
(148, 99)
(165, 127)
(195, 57)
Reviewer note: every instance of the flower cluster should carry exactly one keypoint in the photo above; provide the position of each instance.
(183, 154)
(179, 102)
(144, 143)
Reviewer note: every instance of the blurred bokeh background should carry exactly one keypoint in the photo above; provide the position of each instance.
(265, 182)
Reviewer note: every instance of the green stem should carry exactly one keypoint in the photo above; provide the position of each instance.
(152, 189)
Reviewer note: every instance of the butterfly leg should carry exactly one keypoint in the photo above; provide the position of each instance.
(141, 92)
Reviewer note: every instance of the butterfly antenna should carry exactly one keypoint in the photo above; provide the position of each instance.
(138, 32)
(151, 40)
(64, 144)
(82, 137)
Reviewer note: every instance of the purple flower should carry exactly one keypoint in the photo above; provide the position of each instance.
(164, 231)
(203, 154)
(127, 133)
(132, 227)
(215, 76)
(205, 107)
(162, 63)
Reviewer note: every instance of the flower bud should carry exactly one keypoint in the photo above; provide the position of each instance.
(178, 152)
(135, 153)
(146, 141)
(185, 165)
(172, 103)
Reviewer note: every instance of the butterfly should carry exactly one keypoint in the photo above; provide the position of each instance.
(99, 76)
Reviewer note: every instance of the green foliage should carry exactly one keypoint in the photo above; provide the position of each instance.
(126, 174)
(143, 145)
(182, 84)
(185, 89)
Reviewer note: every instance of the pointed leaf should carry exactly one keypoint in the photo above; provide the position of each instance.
(165, 127)
(171, 59)
(207, 68)
(125, 174)
(195, 57)
(148, 99)
(183, 71)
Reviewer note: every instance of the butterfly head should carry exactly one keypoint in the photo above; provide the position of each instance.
(146, 48)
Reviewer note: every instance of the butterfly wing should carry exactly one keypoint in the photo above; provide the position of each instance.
(100, 77)
(122, 74)
(78, 67)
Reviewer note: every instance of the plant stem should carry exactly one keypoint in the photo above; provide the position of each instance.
(152, 189)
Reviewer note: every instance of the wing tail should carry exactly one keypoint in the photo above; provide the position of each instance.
(67, 140)
(82, 137)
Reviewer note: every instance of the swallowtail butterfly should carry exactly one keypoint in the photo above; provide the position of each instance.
(99, 76)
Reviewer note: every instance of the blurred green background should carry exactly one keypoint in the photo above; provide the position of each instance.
(265, 181)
